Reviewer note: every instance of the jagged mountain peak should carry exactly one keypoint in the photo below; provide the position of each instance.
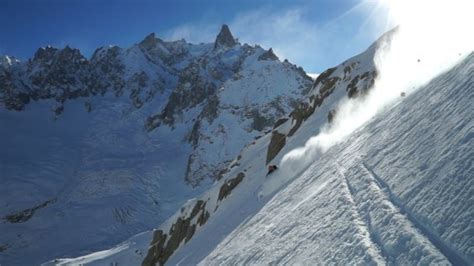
(356, 174)
(150, 41)
(48, 53)
(268, 55)
(45, 53)
(7, 61)
(203, 105)
(100, 52)
(224, 38)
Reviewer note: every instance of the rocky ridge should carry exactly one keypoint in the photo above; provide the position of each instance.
(133, 130)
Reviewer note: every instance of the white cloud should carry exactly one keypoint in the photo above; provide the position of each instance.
(195, 33)
(293, 33)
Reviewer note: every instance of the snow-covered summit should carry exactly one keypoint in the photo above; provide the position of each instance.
(8, 61)
(105, 147)
(385, 195)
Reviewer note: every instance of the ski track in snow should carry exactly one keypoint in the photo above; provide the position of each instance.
(372, 241)
(399, 192)
(447, 251)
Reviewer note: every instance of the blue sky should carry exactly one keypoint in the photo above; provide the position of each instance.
(314, 34)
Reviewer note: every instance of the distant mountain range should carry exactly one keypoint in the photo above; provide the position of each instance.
(97, 149)
(398, 190)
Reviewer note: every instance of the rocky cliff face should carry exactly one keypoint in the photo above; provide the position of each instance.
(241, 189)
(224, 38)
(133, 130)
(351, 79)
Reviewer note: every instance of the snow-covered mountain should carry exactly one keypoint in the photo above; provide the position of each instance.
(97, 150)
(399, 190)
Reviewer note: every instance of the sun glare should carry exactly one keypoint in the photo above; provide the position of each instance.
(431, 36)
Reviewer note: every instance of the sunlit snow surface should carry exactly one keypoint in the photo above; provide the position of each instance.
(397, 191)
(108, 178)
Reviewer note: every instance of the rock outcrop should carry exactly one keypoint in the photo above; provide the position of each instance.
(224, 38)
(268, 55)
(164, 244)
(158, 117)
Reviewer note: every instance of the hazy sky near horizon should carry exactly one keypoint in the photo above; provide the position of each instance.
(314, 34)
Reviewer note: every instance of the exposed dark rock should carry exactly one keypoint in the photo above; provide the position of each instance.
(152, 122)
(168, 113)
(352, 87)
(156, 249)
(202, 219)
(25, 215)
(280, 122)
(193, 136)
(328, 86)
(259, 122)
(149, 42)
(200, 204)
(44, 54)
(17, 102)
(229, 185)
(324, 76)
(303, 73)
(331, 115)
(347, 71)
(178, 232)
(192, 90)
(188, 175)
(277, 143)
(221, 173)
(268, 55)
(304, 110)
(369, 81)
(159, 51)
(300, 114)
(138, 83)
(64, 74)
(190, 232)
(182, 230)
(108, 71)
(360, 85)
(210, 111)
(224, 38)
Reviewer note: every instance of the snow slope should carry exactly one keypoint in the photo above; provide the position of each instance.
(94, 151)
(400, 190)
(397, 191)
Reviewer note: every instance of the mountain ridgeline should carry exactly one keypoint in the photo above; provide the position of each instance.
(384, 195)
(126, 136)
(173, 76)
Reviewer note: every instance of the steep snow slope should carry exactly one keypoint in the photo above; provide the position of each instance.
(95, 151)
(332, 86)
(398, 190)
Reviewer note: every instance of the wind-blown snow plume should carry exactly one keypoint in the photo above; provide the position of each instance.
(431, 37)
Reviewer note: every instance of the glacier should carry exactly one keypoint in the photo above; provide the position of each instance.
(399, 190)
(94, 151)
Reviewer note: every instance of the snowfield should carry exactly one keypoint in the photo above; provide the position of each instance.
(400, 190)
(94, 151)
